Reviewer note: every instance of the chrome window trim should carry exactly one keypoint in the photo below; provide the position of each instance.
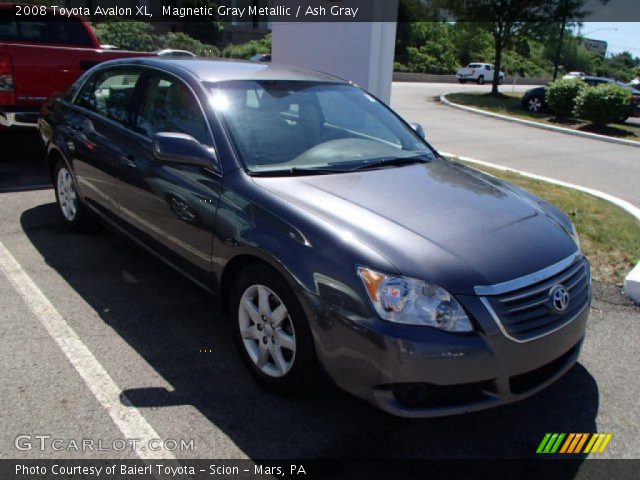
(526, 280)
(560, 326)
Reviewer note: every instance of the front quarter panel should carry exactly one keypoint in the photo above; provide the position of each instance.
(312, 255)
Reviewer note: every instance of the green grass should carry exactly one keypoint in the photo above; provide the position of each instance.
(509, 104)
(609, 236)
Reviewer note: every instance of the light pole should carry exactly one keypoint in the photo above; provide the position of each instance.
(614, 29)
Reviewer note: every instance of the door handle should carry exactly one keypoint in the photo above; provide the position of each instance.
(129, 161)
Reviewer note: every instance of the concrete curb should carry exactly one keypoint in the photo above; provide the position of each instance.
(568, 131)
(632, 280)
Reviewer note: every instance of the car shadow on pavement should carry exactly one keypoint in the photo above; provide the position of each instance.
(182, 334)
(22, 164)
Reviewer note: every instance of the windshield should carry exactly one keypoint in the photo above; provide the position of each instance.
(302, 125)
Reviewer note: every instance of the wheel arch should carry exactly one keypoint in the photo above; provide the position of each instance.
(53, 157)
(243, 259)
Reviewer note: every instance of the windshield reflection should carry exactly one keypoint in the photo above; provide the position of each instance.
(302, 126)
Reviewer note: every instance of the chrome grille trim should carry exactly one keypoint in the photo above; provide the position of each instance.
(525, 314)
(557, 327)
(520, 282)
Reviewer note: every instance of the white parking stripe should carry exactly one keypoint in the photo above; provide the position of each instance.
(126, 417)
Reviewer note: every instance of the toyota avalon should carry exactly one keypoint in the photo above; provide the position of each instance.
(334, 235)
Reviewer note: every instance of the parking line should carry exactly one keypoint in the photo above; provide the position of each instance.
(126, 417)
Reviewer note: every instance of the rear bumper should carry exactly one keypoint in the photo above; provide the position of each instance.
(19, 119)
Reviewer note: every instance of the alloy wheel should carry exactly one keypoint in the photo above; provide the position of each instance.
(67, 196)
(267, 331)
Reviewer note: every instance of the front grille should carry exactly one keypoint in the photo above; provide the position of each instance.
(528, 312)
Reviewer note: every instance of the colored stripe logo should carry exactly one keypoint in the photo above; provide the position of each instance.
(574, 443)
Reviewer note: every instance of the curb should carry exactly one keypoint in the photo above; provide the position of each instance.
(632, 280)
(553, 128)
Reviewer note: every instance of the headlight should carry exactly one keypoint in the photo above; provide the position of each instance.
(413, 302)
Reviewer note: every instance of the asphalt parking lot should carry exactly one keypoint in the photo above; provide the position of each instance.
(167, 347)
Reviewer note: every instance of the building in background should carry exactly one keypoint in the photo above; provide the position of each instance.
(598, 47)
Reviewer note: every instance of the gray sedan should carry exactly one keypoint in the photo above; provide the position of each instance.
(335, 236)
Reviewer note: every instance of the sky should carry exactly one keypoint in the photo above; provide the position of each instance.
(620, 36)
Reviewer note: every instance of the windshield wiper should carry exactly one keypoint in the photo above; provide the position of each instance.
(391, 161)
(297, 171)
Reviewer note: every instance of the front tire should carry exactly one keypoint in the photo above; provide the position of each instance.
(481, 80)
(500, 80)
(271, 330)
(74, 213)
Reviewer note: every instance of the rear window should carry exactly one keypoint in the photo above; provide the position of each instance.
(68, 31)
(110, 93)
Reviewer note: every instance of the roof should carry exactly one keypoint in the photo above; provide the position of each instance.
(216, 70)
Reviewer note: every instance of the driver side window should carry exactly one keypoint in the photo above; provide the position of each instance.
(170, 106)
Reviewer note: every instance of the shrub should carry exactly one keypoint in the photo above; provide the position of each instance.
(182, 41)
(249, 49)
(400, 67)
(430, 58)
(603, 104)
(562, 94)
(137, 36)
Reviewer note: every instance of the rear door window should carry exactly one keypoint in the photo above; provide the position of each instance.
(110, 93)
(48, 29)
(8, 25)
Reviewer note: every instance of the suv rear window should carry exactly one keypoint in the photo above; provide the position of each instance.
(68, 31)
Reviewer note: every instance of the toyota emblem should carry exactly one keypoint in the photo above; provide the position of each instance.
(559, 297)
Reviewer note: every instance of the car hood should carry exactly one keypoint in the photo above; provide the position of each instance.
(439, 221)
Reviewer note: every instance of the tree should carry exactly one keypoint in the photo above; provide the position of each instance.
(566, 11)
(207, 29)
(504, 19)
(138, 36)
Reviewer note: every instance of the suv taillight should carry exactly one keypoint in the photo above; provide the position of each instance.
(7, 83)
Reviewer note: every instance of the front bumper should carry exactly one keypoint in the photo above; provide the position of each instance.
(380, 362)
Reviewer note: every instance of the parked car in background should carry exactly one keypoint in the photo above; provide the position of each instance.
(534, 100)
(169, 52)
(575, 75)
(41, 55)
(334, 235)
(261, 57)
(479, 73)
(635, 82)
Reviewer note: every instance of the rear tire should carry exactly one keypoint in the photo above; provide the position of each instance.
(462, 81)
(481, 80)
(73, 211)
(271, 330)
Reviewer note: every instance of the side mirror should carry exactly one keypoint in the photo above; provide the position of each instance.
(183, 149)
(419, 129)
